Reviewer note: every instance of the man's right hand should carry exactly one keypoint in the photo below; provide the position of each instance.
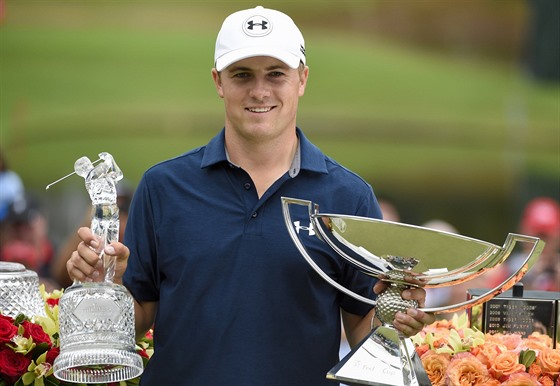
(86, 266)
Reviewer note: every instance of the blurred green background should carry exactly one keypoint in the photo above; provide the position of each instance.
(449, 109)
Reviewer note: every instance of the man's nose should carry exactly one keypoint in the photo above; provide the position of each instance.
(260, 89)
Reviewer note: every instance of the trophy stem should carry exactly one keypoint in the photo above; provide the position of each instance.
(105, 224)
(384, 358)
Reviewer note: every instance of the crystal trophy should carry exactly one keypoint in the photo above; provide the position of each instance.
(404, 256)
(19, 291)
(97, 334)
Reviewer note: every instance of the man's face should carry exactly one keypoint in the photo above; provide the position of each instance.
(261, 96)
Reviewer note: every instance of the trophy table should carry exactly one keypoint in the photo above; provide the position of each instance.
(97, 334)
(403, 256)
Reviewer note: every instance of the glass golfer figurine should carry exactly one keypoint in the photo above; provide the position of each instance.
(97, 334)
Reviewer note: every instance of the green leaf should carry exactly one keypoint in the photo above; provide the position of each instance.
(527, 357)
(51, 381)
(28, 378)
(40, 349)
(20, 318)
(39, 382)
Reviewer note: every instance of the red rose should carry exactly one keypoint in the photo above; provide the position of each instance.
(7, 329)
(7, 317)
(52, 302)
(13, 365)
(52, 354)
(36, 332)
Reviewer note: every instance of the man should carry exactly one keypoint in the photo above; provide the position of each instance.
(210, 260)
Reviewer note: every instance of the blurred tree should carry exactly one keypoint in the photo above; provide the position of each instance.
(543, 43)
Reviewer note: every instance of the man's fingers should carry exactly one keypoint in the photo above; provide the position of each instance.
(413, 321)
(379, 287)
(84, 264)
(86, 255)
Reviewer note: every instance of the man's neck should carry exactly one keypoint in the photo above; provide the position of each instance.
(264, 161)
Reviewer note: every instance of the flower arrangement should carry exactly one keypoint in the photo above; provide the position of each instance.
(29, 346)
(454, 355)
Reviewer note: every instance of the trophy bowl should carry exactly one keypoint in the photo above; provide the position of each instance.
(404, 256)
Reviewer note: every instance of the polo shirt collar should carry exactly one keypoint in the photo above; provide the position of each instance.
(307, 157)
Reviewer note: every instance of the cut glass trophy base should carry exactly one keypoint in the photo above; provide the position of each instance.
(384, 358)
(111, 365)
(97, 335)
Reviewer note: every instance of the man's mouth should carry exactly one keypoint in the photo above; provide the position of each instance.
(259, 109)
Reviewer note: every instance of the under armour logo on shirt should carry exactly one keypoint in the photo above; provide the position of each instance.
(299, 227)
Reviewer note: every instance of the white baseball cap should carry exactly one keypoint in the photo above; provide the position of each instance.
(259, 32)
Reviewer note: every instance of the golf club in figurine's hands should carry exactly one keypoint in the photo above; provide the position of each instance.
(404, 256)
(97, 333)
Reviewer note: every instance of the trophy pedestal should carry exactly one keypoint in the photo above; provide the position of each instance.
(97, 335)
(384, 358)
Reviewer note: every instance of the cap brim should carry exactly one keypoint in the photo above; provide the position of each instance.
(234, 56)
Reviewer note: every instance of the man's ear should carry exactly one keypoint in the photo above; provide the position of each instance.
(217, 82)
(303, 75)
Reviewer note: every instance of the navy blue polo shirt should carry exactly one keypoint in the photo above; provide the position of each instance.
(238, 304)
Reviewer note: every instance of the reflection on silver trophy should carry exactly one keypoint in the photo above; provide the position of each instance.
(97, 334)
(404, 256)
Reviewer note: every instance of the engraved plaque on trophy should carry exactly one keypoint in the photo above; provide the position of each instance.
(403, 256)
(517, 311)
(97, 334)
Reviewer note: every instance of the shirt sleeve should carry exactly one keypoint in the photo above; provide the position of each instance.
(141, 277)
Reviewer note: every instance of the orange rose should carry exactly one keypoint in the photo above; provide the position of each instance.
(549, 361)
(435, 365)
(536, 342)
(521, 379)
(545, 380)
(506, 364)
(488, 352)
(439, 327)
(464, 369)
(492, 382)
(535, 370)
(511, 341)
(422, 349)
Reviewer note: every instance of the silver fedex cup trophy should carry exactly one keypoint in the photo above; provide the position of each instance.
(404, 256)
(97, 334)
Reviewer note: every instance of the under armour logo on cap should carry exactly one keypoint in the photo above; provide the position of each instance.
(257, 26)
(259, 32)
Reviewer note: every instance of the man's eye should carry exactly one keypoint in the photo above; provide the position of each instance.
(276, 74)
(241, 75)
